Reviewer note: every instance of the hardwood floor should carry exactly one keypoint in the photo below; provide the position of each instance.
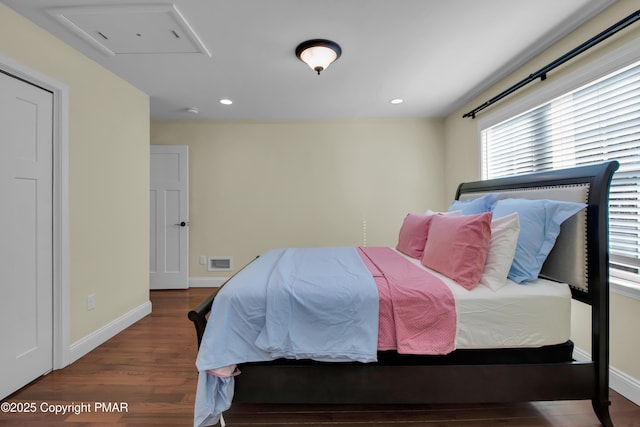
(147, 374)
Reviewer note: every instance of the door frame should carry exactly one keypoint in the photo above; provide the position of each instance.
(60, 141)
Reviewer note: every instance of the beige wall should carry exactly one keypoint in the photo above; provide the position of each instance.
(108, 175)
(462, 164)
(256, 185)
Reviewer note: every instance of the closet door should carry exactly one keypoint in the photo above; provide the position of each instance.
(26, 253)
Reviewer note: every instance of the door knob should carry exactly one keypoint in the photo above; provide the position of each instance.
(181, 224)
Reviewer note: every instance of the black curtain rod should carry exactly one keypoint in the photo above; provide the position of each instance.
(542, 73)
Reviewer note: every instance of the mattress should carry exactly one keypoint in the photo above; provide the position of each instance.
(515, 316)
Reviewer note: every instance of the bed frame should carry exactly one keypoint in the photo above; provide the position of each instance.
(462, 377)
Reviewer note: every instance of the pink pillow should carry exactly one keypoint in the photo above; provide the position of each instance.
(457, 247)
(413, 234)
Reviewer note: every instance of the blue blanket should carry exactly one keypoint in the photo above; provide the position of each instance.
(311, 303)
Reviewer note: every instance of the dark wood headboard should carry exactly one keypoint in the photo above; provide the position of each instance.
(595, 291)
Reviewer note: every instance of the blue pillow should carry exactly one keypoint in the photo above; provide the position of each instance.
(474, 206)
(540, 222)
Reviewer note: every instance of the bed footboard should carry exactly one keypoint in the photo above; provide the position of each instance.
(198, 315)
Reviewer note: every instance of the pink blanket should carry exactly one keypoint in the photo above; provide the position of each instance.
(417, 310)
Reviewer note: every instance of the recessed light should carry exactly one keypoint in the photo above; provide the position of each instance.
(397, 101)
(226, 101)
(192, 110)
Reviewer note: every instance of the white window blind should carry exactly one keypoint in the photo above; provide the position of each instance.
(598, 122)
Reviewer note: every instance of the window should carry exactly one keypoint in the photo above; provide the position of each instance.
(597, 122)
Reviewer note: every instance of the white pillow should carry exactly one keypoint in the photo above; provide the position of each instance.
(452, 213)
(502, 248)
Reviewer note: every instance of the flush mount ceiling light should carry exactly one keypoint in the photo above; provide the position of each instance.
(318, 54)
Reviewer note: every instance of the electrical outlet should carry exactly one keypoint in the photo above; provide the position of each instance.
(91, 302)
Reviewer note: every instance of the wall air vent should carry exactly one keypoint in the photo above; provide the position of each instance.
(219, 264)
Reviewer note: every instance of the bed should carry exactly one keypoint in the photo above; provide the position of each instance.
(532, 367)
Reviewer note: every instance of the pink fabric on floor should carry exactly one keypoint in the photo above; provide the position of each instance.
(417, 310)
(225, 371)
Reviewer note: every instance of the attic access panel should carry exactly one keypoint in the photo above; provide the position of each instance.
(132, 29)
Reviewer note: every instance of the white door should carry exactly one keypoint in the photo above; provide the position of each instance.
(26, 242)
(169, 252)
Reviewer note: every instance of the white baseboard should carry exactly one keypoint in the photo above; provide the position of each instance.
(108, 331)
(206, 282)
(622, 383)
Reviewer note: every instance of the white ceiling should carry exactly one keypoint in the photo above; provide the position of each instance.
(434, 54)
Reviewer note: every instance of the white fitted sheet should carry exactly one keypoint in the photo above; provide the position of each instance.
(531, 315)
